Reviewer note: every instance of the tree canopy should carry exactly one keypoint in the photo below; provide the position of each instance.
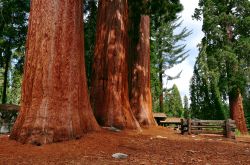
(224, 53)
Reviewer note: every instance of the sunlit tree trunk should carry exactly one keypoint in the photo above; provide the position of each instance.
(237, 112)
(109, 91)
(140, 95)
(55, 104)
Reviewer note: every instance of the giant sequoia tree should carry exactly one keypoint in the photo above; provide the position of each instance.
(226, 28)
(109, 90)
(55, 104)
(139, 63)
(140, 95)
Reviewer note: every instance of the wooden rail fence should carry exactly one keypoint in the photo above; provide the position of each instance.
(224, 127)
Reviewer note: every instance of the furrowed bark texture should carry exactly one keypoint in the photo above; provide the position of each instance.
(109, 91)
(237, 113)
(55, 105)
(140, 95)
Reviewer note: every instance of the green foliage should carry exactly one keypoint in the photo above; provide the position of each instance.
(156, 87)
(227, 35)
(246, 103)
(247, 111)
(206, 101)
(14, 91)
(173, 102)
(165, 43)
(1, 81)
(13, 28)
(221, 68)
(90, 11)
(163, 11)
(166, 52)
(237, 132)
(158, 9)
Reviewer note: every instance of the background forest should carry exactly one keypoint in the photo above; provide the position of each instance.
(221, 72)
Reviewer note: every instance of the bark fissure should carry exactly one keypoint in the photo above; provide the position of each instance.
(140, 95)
(109, 97)
(55, 104)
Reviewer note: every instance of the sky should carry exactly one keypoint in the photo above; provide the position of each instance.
(192, 41)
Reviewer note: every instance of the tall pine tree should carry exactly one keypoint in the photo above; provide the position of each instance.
(205, 98)
(166, 52)
(174, 103)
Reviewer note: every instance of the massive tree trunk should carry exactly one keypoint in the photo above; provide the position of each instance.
(140, 95)
(55, 104)
(237, 112)
(109, 91)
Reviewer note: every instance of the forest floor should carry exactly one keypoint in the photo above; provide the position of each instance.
(157, 145)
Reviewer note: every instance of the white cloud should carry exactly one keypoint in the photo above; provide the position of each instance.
(192, 41)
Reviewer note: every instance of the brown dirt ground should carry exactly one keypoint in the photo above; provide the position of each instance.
(152, 146)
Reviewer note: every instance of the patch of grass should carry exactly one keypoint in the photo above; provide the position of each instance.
(237, 132)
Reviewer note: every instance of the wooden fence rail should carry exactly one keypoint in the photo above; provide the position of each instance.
(224, 127)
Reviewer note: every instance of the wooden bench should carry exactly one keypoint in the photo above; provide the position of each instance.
(223, 127)
(171, 121)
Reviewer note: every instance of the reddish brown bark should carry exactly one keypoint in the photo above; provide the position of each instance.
(140, 95)
(109, 91)
(237, 113)
(55, 104)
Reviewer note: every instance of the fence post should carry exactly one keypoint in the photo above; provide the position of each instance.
(225, 128)
(182, 126)
(228, 129)
(189, 126)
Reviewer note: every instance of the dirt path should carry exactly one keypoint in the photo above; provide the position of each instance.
(152, 146)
